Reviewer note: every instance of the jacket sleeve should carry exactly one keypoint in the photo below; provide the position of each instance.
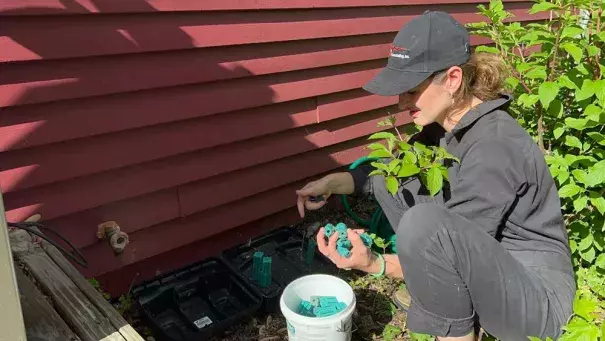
(491, 175)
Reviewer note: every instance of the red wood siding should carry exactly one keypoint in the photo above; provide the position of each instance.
(191, 123)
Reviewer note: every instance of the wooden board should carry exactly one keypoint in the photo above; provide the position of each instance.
(42, 322)
(74, 307)
(118, 322)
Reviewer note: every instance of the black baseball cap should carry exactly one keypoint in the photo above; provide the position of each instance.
(431, 42)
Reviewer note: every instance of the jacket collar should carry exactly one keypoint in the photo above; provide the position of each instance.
(477, 112)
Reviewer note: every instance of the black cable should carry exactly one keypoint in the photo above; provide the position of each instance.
(27, 226)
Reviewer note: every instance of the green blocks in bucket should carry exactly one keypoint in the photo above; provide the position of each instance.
(343, 245)
(328, 303)
(321, 306)
(261, 269)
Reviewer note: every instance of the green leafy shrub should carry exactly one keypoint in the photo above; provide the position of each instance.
(407, 160)
(556, 73)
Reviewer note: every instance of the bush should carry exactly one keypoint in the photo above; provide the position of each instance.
(556, 75)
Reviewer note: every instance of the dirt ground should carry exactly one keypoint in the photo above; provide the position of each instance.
(376, 317)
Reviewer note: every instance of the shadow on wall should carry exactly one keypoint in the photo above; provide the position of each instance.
(78, 152)
(41, 135)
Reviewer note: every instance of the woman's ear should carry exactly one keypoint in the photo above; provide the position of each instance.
(453, 80)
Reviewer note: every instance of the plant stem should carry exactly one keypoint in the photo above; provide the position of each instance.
(541, 129)
(596, 57)
(553, 63)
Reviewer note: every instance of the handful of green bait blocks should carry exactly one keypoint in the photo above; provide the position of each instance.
(343, 245)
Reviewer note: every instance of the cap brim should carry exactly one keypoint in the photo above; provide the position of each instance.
(390, 82)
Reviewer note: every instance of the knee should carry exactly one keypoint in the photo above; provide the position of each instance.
(417, 226)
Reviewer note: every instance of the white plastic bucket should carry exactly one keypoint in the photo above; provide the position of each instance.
(337, 327)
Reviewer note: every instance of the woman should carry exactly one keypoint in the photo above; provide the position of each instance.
(492, 250)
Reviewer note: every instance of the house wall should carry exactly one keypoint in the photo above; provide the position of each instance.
(190, 123)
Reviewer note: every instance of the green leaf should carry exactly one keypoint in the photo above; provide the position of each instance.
(580, 203)
(555, 109)
(599, 203)
(580, 329)
(512, 82)
(589, 255)
(563, 176)
(573, 141)
(586, 91)
(593, 50)
(488, 49)
(380, 154)
(377, 172)
(597, 137)
(542, 7)
(559, 130)
(377, 146)
(576, 123)
(435, 180)
(392, 184)
(584, 307)
(444, 173)
(566, 82)
(420, 148)
(409, 157)
(586, 242)
(571, 32)
(574, 50)
(393, 165)
(581, 176)
(548, 92)
(528, 101)
(597, 173)
(390, 332)
(599, 87)
(593, 112)
(569, 190)
(408, 169)
(381, 135)
(573, 246)
(404, 146)
(537, 73)
(381, 166)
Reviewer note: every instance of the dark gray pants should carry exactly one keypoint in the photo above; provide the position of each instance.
(459, 276)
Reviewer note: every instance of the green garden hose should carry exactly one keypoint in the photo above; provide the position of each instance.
(378, 223)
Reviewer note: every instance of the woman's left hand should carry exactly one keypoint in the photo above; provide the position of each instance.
(361, 257)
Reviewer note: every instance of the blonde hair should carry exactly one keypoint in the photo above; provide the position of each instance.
(483, 77)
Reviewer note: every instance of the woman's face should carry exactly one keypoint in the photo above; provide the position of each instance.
(429, 101)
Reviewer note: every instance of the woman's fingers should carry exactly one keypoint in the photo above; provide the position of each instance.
(321, 242)
(355, 239)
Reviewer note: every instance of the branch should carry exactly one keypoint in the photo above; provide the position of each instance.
(520, 79)
(540, 129)
(553, 63)
(598, 66)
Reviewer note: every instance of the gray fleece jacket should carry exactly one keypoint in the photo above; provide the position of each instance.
(502, 183)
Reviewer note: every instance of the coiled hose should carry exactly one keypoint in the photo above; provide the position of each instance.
(378, 223)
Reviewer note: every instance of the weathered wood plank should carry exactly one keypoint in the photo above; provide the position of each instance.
(73, 306)
(123, 327)
(42, 322)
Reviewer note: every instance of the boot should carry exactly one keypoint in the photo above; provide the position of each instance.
(402, 299)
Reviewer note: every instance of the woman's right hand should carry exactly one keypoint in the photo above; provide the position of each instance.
(318, 188)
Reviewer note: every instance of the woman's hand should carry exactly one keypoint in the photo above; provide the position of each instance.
(336, 183)
(361, 257)
(318, 188)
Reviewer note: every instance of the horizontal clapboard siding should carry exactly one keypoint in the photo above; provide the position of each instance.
(190, 123)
